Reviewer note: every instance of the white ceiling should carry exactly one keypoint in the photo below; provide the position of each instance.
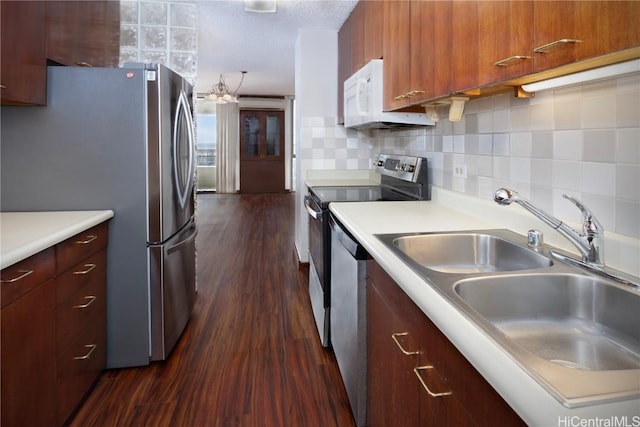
(231, 40)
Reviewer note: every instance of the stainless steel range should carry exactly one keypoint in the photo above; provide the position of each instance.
(338, 298)
(402, 178)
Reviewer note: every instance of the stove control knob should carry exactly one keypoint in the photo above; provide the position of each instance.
(411, 168)
(380, 163)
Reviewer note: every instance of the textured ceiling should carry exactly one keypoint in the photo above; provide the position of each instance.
(231, 40)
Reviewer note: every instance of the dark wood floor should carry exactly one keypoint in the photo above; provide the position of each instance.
(250, 355)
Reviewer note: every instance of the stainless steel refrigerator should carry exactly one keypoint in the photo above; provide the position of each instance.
(120, 139)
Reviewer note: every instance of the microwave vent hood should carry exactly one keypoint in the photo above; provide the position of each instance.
(363, 93)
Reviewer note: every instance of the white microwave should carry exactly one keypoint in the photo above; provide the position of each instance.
(363, 102)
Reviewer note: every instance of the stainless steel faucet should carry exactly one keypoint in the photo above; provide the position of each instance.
(590, 242)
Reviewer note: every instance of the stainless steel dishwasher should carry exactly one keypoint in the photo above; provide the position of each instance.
(349, 316)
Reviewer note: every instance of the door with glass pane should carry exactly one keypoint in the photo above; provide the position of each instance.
(261, 151)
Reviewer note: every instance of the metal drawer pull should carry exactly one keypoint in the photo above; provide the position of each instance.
(91, 299)
(432, 394)
(89, 268)
(91, 348)
(414, 93)
(547, 47)
(402, 334)
(399, 97)
(88, 240)
(510, 60)
(24, 273)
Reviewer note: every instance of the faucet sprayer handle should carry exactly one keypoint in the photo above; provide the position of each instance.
(593, 233)
(590, 224)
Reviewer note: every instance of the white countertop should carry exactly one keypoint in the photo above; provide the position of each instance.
(532, 402)
(23, 234)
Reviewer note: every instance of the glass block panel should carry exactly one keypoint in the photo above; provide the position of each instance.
(128, 12)
(183, 15)
(128, 55)
(154, 37)
(183, 63)
(129, 36)
(153, 13)
(158, 56)
(183, 39)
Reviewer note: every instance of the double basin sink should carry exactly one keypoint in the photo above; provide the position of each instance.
(576, 333)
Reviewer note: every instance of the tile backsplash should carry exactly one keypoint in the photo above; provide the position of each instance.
(582, 140)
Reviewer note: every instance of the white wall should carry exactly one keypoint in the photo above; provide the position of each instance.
(316, 74)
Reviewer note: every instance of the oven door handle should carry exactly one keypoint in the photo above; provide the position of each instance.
(312, 212)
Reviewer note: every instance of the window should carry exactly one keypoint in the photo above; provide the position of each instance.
(206, 141)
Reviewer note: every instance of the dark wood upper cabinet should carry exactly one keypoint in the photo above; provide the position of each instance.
(85, 33)
(397, 53)
(23, 72)
(65, 32)
(435, 49)
(491, 42)
(570, 31)
(417, 48)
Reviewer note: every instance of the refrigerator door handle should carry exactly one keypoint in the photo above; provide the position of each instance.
(184, 184)
(192, 235)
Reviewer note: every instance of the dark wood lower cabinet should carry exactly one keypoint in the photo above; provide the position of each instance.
(416, 377)
(54, 330)
(28, 355)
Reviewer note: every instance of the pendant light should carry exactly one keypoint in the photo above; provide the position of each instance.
(221, 93)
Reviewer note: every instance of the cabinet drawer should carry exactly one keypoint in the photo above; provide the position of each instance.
(75, 249)
(80, 363)
(22, 277)
(72, 281)
(75, 313)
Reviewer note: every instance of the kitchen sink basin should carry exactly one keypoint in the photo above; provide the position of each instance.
(466, 252)
(577, 333)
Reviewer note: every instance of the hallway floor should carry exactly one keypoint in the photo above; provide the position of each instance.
(250, 356)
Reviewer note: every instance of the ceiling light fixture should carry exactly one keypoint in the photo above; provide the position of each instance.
(607, 72)
(221, 93)
(260, 6)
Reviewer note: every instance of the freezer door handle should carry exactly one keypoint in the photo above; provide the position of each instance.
(190, 237)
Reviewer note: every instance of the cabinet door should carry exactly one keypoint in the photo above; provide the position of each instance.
(430, 50)
(450, 392)
(23, 63)
(373, 22)
(570, 31)
(28, 366)
(417, 48)
(491, 42)
(83, 32)
(393, 397)
(344, 64)
(357, 21)
(397, 53)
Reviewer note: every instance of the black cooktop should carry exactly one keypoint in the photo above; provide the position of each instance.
(347, 194)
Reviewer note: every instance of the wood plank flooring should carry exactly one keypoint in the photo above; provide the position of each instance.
(250, 356)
